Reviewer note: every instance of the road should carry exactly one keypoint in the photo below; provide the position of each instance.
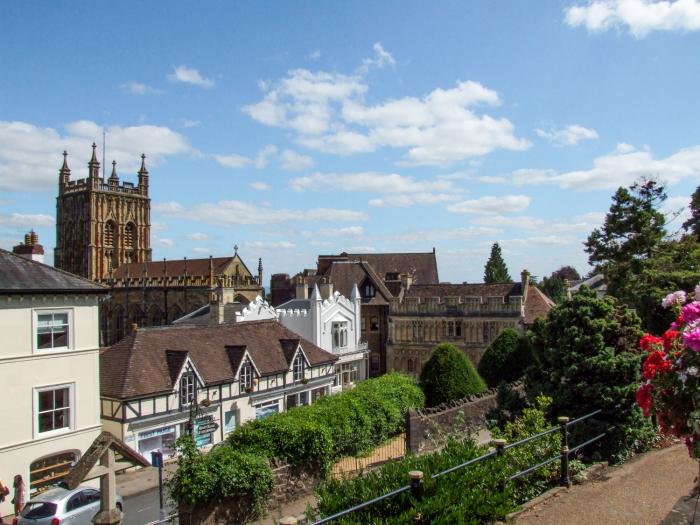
(143, 508)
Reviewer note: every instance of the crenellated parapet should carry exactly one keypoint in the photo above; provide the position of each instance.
(458, 305)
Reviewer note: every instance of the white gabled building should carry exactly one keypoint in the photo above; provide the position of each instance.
(49, 365)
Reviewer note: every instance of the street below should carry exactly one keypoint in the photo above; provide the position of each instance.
(144, 508)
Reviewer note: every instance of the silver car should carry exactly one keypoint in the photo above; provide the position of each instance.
(59, 506)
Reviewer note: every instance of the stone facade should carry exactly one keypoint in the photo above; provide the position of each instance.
(101, 224)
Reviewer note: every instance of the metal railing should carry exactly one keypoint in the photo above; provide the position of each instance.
(501, 447)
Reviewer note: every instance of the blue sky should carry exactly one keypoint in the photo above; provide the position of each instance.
(299, 128)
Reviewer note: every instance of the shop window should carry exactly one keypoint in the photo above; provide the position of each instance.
(230, 421)
(53, 408)
(50, 470)
(52, 330)
(299, 367)
(304, 398)
(374, 324)
(156, 439)
(264, 410)
(187, 388)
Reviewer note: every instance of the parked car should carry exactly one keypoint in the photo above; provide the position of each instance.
(60, 506)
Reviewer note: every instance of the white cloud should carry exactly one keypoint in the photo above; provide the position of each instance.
(492, 204)
(197, 236)
(406, 200)
(380, 60)
(260, 186)
(266, 245)
(233, 160)
(568, 136)
(622, 167)
(30, 156)
(293, 161)
(187, 123)
(328, 113)
(168, 208)
(157, 226)
(200, 249)
(639, 17)
(349, 231)
(168, 243)
(677, 210)
(137, 88)
(263, 157)
(547, 240)
(188, 75)
(369, 182)
(26, 220)
(236, 213)
(577, 224)
(315, 54)
(463, 233)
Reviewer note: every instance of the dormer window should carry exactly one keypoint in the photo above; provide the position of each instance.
(187, 388)
(246, 375)
(368, 289)
(340, 335)
(298, 367)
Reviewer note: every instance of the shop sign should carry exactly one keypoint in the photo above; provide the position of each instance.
(207, 428)
(158, 432)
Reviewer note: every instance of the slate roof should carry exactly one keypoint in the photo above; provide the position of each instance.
(201, 315)
(345, 274)
(536, 305)
(296, 304)
(142, 363)
(422, 266)
(173, 268)
(20, 275)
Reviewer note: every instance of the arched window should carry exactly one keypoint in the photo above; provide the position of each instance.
(410, 366)
(110, 230)
(130, 236)
(340, 335)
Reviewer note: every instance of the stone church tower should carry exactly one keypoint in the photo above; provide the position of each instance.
(100, 223)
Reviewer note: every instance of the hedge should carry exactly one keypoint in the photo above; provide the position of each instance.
(334, 426)
(449, 375)
(506, 358)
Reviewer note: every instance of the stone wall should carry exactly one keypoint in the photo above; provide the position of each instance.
(429, 428)
(290, 484)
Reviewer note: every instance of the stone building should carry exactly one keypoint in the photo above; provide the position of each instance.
(103, 233)
(469, 316)
(101, 224)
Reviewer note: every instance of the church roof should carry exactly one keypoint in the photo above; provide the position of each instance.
(173, 268)
(142, 363)
(21, 275)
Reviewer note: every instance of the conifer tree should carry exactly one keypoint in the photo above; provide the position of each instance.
(692, 225)
(496, 270)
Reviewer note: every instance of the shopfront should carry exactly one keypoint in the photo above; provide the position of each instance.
(158, 439)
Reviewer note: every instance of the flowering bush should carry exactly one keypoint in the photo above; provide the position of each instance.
(671, 386)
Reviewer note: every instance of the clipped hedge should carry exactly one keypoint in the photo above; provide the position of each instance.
(334, 426)
(449, 375)
(506, 358)
(471, 495)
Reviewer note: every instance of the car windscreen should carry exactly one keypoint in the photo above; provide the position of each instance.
(39, 509)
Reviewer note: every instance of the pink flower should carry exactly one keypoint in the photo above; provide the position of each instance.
(675, 298)
(691, 339)
(691, 312)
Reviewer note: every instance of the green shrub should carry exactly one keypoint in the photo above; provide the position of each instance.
(334, 426)
(471, 495)
(449, 375)
(221, 473)
(506, 358)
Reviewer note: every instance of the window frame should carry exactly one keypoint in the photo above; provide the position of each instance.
(188, 398)
(245, 376)
(339, 331)
(36, 391)
(35, 329)
(298, 367)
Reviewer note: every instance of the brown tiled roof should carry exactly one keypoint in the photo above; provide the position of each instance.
(173, 267)
(537, 305)
(142, 363)
(21, 275)
(422, 266)
(345, 274)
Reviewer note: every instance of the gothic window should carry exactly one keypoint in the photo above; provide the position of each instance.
(299, 367)
(130, 236)
(458, 329)
(410, 366)
(368, 289)
(109, 234)
(340, 335)
(450, 329)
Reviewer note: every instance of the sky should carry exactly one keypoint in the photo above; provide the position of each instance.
(293, 129)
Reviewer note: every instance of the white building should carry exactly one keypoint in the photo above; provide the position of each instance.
(49, 365)
(334, 323)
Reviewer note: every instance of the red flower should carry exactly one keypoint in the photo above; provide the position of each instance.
(645, 399)
(655, 363)
(669, 338)
(650, 342)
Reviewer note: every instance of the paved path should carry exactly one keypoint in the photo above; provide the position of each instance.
(640, 492)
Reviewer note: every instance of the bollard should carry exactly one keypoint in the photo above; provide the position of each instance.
(416, 477)
(288, 520)
(500, 445)
(563, 429)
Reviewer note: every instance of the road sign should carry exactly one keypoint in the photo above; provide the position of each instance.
(207, 428)
(157, 459)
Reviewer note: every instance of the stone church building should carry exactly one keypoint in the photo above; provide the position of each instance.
(103, 233)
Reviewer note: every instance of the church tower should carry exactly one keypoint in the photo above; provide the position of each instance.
(101, 224)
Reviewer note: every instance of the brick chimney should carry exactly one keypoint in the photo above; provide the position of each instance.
(524, 283)
(30, 248)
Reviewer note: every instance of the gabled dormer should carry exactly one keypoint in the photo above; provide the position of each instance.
(296, 358)
(185, 377)
(246, 372)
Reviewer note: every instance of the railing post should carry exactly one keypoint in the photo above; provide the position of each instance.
(416, 477)
(563, 429)
(500, 445)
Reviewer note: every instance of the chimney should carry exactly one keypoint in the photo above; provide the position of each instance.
(326, 289)
(216, 306)
(30, 249)
(302, 289)
(524, 283)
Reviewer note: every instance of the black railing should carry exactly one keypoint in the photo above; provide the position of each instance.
(501, 447)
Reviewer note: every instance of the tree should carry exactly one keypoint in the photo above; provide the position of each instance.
(586, 358)
(692, 225)
(554, 285)
(567, 273)
(496, 270)
(449, 375)
(506, 358)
